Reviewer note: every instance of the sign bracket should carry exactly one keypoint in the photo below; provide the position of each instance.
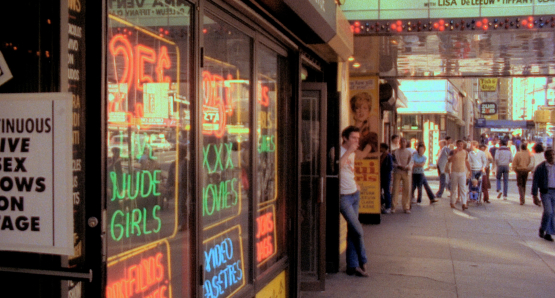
(60, 273)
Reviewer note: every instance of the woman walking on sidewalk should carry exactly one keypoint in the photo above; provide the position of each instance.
(418, 177)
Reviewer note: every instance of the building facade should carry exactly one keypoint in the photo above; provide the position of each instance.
(198, 145)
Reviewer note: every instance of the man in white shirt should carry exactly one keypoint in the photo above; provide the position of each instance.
(478, 161)
(349, 202)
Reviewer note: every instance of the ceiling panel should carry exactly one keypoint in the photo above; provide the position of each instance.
(461, 54)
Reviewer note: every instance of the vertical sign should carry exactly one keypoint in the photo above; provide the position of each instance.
(76, 86)
(35, 198)
(365, 109)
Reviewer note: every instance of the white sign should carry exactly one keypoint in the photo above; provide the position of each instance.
(36, 207)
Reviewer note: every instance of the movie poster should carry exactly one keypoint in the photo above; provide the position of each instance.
(365, 114)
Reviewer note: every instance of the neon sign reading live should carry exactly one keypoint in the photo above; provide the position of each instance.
(223, 264)
(144, 275)
(265, 234)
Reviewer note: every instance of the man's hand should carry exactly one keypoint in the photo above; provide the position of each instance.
(537, 201)
(353, 148)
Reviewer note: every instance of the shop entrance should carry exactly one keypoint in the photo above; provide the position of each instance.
(313, 172)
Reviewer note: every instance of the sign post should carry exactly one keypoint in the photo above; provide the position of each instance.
(36, 204)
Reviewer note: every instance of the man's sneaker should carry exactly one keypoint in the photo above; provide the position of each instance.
(387, 211)
(407, 211)
(548, 237)
(505, 198)
(392, 210)
(413, 201)
(499, 194)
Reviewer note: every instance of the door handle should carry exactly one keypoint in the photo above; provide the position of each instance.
(321, 189)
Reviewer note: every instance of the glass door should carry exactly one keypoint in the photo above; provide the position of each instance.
(312, 141)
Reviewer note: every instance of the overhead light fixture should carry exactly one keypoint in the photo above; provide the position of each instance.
(351, 59)
(356, 65)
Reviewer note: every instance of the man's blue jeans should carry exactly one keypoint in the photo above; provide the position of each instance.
(548, 200)
(386, 197)
(356, 253)
(442, 183)
(503, 170)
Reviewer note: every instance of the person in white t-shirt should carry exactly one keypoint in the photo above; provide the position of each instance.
(349, 202)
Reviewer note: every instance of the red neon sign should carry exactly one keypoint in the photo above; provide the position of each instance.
(264, 98)
(142, 278)
(143, 56)
(264, 236)
(216, 104)
(134, 62)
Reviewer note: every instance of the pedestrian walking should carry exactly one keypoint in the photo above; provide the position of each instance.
(459, 169)
(522, 166)
(486, 184)
(386, 168)
(544, 180)
(349, 202)
(537, 157)
(418, 177)
(477, 160)
(401, 175)
(441, 166)
(503, 157)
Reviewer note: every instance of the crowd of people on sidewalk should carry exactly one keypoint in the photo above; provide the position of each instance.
(464, 168)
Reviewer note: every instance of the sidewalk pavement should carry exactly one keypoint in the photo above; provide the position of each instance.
(491, 250)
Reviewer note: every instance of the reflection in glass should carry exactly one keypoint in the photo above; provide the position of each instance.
(148, 115)
(268, 226)
(226, 78)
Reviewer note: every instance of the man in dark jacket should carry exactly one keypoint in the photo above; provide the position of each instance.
(386, 167)
(544, 179)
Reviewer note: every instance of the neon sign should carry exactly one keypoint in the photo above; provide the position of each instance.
(136, 59)
(143, 274)
(223, 264)
(222, 198)
(265, 235)
(216, 104)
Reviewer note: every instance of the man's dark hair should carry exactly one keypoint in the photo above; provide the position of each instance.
(547, 152)
(346, 133)
(482, 146)
(538, 148)
(420, 145)
(384, 146)
(447, 138)
(393, 137)
(523, 146)
(503, 142)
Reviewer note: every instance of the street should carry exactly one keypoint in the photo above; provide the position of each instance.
(492, 250)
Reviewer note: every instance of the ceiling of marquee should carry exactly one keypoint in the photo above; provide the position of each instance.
(460, 54)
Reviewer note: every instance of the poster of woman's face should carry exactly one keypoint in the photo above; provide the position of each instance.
(364, 112)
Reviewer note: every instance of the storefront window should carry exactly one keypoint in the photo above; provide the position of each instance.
(268, 227)
(226, 79)
(148, 138)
